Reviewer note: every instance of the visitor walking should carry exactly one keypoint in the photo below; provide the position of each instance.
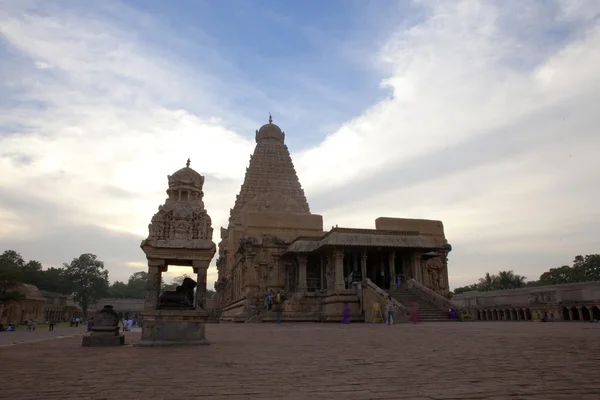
(129, 324)
(346, 314)
(398, 281)
(51, 326)
(77, 321)
(414, 313)
(389, 308)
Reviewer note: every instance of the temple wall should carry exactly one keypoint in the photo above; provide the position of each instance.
(562, 302)
(425, 227)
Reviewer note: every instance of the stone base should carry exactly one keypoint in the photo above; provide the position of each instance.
(173, 328)
(333, 307)
(102, 340)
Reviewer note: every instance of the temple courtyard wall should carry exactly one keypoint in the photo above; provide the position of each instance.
(568, 302)
(436, 361)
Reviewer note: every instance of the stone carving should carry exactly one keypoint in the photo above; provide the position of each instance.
(181, 297)
(435, 269)
(274, 201)
(182, 221)
(272, 240)
(542, 297)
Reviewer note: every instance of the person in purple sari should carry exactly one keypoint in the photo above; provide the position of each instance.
(346, 314)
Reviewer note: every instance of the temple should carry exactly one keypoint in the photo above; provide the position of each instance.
(274, 243)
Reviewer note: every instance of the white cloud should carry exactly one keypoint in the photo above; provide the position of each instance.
(487, 128)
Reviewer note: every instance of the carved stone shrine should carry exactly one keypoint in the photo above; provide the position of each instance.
(180, 233)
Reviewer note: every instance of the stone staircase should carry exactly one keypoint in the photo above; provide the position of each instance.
(428, 311)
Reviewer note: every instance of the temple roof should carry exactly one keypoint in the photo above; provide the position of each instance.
(271, 183)
(362, 238)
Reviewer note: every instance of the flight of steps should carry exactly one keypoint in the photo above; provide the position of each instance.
(429, 312)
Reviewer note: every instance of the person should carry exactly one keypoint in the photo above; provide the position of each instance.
(129, 324)
(398, 281)
(11, 327)
(77, 321)
(414, 312)
(389, 308)
(33, 325)
(51, 326)
(124, 322)
(90, 323)
(346, 314)
(278, 306)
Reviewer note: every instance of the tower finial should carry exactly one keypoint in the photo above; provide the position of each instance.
(187, 164)
(270, 119)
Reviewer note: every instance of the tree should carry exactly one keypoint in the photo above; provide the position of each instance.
(56, 280)
(33, 273)
(502, 281)
(90, 280)
(135, 288)
(11, 276)
(589, 266)
(137, 285)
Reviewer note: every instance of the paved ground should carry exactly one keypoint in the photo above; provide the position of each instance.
(485, 360)
(22, 335)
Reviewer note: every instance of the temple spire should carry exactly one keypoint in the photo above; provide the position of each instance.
(187, 164)
(270, 119)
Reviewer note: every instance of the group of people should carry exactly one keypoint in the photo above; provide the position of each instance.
(274, 302)
(129, 323)
(390, 309)
(10, 328)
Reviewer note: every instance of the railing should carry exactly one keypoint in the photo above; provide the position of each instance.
(437, 299)
(385, 296)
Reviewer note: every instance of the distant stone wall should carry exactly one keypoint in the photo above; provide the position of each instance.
(569, 302)
(30, 308)
(125, 306)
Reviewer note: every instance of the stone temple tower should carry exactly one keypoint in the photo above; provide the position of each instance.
(269, 212)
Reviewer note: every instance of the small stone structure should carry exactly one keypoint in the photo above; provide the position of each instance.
(568, 302)
(180, 233)
(105, 330)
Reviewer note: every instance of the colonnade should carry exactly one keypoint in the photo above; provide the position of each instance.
(558, 313)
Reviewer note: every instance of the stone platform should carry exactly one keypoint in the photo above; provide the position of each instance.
(431, 361)
(174, 328)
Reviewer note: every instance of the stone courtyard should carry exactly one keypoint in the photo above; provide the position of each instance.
(487, 360)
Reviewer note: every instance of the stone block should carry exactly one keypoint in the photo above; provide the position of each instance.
(171, 327)
(102, 340)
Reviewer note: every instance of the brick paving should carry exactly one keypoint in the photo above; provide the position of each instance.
(485, 360)
(22, 335)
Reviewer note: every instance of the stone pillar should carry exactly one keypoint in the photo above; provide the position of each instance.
(339, 269)
(392, 266)
(363, 264)
(200, 269)
(580, 313)
(416, 267)
(302, 261)
(322, 260)
(570, 314)
(155, 268)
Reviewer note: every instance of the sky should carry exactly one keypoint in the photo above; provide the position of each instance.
(482, 114)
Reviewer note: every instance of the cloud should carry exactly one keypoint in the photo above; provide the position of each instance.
(489, 125)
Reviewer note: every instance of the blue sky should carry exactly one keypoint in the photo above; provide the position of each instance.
(480, 114)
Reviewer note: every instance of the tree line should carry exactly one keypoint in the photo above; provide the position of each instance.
(84, 278)
(584, 269)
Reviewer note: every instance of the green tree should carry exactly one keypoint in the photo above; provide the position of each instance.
(118, 290)
(509, 280)
(137, 285)
(135, 288)
(56, 280)
(33, 273)
(90, 280)
(561, 275)
(589, 266)
(11, 276)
